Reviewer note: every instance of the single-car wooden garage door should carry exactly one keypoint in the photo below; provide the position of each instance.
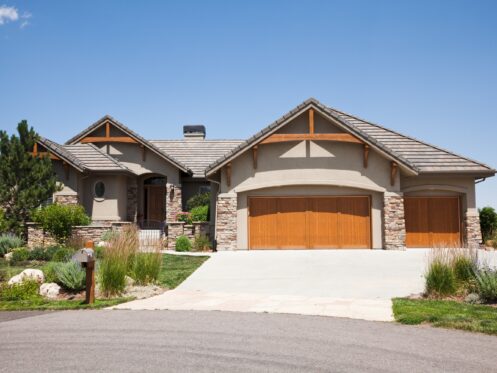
(309, 222)
(432, 221)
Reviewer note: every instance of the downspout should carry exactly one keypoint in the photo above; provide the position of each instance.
(478, 181)
(215, 215)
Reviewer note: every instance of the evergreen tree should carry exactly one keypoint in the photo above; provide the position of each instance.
(25, 181)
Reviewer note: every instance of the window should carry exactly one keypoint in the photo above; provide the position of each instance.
(99, 189)
(204, 189)
(155, 181)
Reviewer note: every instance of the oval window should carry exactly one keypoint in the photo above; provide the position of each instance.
(99, 189)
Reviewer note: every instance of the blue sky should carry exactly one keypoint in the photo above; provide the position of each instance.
(424, 68)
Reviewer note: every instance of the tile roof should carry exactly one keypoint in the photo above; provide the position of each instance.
(132, 134)
(84, 157)
(415, 155)
(196, 154)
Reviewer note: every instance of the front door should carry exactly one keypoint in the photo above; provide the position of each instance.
(155, 202)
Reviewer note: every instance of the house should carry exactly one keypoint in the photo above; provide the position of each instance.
(315, 178)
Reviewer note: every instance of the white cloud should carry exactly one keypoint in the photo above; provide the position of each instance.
(8, 14)
(25, 17)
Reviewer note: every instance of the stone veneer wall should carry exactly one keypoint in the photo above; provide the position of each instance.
(394, 224)
(226, 230)
(94, 232)
(66, 199)
(173, 202)
(473, 230)
(132, 202)
(179, 228)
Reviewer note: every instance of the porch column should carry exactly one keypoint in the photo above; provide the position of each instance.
(226, 229)
(173, 202)
(132, 202)
(394, 224)
(473, 229)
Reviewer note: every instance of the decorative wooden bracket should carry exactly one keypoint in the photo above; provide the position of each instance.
(123, 139)
(228, 174)
(254, 156)
(311, 121)
(288, 137)
(366, 155)
(393, 173)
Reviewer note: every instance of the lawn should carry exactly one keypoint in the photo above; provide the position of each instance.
(41, 304)
(177, 268)
(446, 314)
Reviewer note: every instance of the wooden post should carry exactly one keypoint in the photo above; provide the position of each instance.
(35, 149)
(90, 282)
(107, 129)
(311, 121)
(366, 155)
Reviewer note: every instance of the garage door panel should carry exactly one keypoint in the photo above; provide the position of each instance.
(432, 221)
(309, 222)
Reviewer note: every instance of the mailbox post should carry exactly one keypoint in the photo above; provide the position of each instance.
(86, 258)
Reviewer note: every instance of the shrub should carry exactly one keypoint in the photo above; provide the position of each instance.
(49, 270)
(9, 242)
(19, 255)
(23, 291)
(40, 254)
(184, 217)
(488, 222)
(201, 199)
(118, 261)
(183, 244)
(440, 278)
(62, 254)
(70, 275)
(58, 220)
(99, 252)
(464, 267)
(486, 280)
(146, 267)
(200, 213)
(201, 243)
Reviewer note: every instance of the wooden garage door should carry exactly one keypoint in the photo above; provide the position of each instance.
(432, 221)
(309, 222)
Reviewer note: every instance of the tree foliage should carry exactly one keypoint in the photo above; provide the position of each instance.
(488, 222)
(25, 181)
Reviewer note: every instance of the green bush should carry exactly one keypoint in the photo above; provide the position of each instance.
(146, 267)
(201, 243)
(50, 272)
(71, 276)
(488, 222)
(440, 279)
(58, 220)
(486, 280)
(9, 242)
(201, 199)
(200, 213)
(25, 290)
(62, 254)
(99, 252)
(183, 244)
(185, 217)
(40, 254)
(464, 268)
(112, 276)
(19, 255)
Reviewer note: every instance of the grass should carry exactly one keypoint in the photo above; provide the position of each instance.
(42, 304)
(7, 271)
(446, 314)
(176, 268)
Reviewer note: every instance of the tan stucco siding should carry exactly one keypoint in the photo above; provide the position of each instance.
(440, 186)
(376, 207)
(113, 205)
(71, 185)
(130, 155)
(310, 163)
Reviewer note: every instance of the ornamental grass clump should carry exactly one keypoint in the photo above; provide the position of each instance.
(440, 278)
(8, 242)
(71, 276)
(486, 284)
(118, 261)
(146, 267)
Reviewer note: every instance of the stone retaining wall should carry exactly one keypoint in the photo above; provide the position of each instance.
(179, 228)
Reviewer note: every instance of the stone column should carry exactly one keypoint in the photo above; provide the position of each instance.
(473, 229)
(226, 224)
(173, 202)
(174, 230)
(132, 202)
(66, 199)
(394, 224)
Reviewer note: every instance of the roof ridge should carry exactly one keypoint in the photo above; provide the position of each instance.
(412, 138)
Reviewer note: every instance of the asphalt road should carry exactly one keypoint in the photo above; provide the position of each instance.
(180, 341)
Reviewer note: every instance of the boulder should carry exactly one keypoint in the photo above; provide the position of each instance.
(49, 290)
(28, 274)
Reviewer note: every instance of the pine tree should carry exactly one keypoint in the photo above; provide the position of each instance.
(25, 181)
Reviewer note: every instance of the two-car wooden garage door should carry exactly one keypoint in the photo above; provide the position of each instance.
(309, 222)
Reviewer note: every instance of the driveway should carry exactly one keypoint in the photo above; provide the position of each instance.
(347, 283)
(196, 341)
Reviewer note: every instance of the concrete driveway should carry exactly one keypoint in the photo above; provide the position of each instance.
(347, 283)
(344, 283)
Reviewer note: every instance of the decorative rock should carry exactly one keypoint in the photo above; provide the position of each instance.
(50, 290)
(8, 257)
(33, 274)
(17, 279)
(129, 281)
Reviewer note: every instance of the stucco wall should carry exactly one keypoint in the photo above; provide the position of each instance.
(376, 204)
(114, 203)
(71, 185)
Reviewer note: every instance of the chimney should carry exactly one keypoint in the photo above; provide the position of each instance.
(194, 131)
